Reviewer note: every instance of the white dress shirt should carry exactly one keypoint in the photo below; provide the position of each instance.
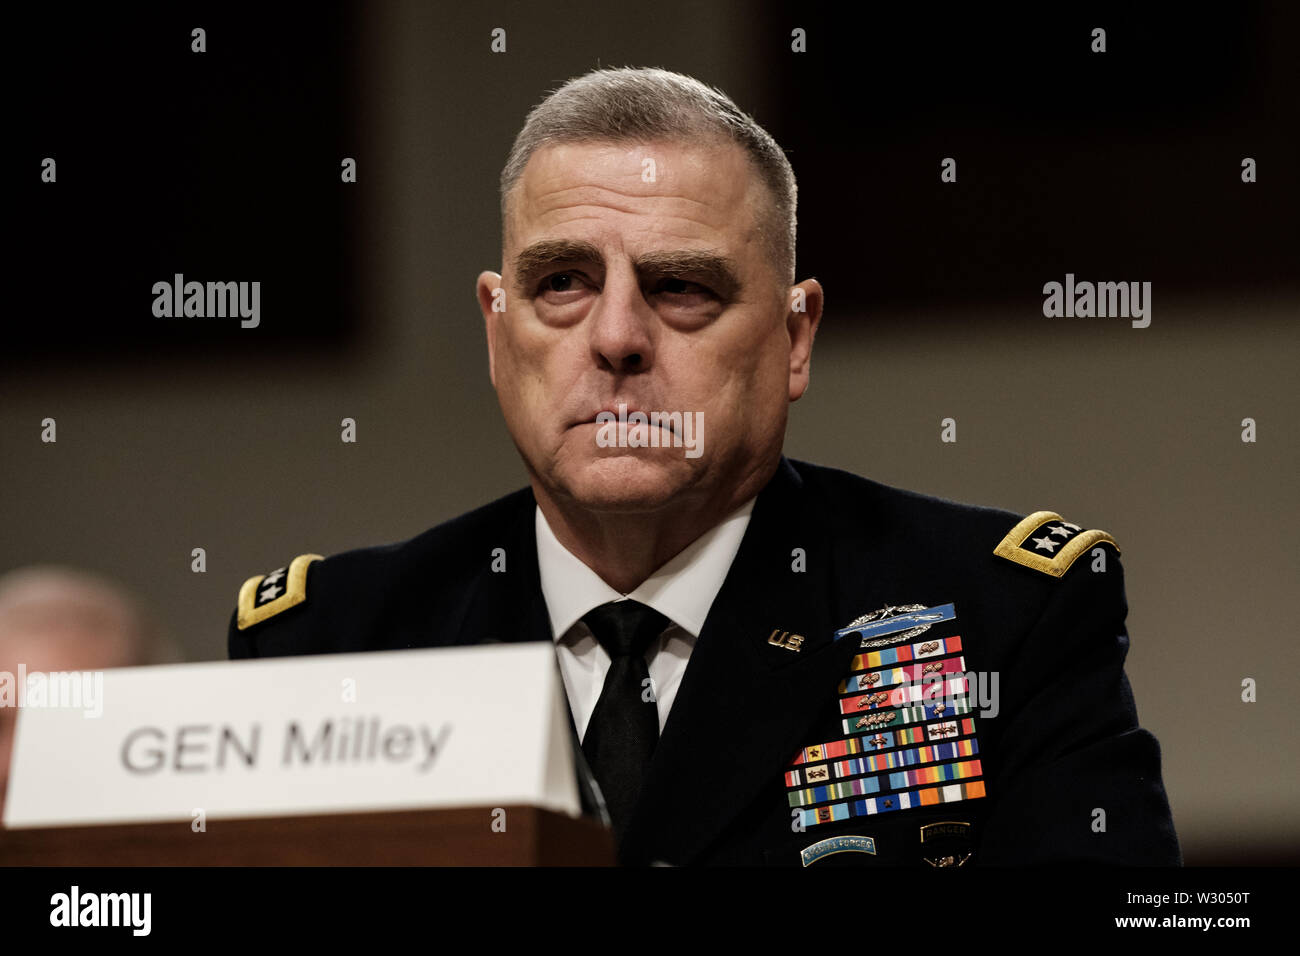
(682, 591)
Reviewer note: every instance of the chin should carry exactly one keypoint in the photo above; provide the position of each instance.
(630, 481)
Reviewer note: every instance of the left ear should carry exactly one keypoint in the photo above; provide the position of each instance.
(488, 283)
(804, 305)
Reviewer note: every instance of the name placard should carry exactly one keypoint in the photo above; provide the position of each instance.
(448, 727)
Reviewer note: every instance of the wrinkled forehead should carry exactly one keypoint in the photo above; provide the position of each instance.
(708, 193)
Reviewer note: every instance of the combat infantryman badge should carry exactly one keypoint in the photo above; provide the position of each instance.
(909, 619)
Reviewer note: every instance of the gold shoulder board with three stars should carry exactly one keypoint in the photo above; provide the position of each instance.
(266, 595)
(1046, 542)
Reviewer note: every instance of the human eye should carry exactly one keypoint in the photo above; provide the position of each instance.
(676, 287)
(682, 300)
(563, 286)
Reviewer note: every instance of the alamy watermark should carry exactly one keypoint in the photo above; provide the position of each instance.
(71, 690)
(208, 300)
(1127, 300)
(639, 429)
(942, 695)
(75, 908)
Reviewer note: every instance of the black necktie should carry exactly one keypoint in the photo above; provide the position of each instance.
(624, 728)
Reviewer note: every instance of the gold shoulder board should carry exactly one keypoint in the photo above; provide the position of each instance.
(266, 595)
(1046, 542)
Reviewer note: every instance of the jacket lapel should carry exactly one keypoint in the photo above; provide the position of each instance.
(508, 607)
(744, 705)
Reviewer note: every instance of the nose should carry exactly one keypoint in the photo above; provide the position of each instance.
(620, 326)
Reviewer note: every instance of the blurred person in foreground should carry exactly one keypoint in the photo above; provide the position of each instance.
(56, 620)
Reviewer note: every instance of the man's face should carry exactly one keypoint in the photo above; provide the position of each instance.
(652, 291)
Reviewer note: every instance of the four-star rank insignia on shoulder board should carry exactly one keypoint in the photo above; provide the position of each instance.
(265, 595)
(907, 724)
(1045, 542)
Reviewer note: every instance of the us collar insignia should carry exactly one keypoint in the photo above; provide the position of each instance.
(791, 642)
(896, 623)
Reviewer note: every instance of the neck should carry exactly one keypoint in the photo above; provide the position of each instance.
(624, 549)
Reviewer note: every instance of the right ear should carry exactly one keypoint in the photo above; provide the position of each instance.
(488, 283)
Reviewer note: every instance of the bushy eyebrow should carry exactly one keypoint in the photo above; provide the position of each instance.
(538, 259)
(709, 268)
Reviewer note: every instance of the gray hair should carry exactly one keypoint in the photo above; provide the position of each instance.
(627, 104)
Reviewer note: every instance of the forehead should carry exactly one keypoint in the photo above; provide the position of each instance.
(639, 193)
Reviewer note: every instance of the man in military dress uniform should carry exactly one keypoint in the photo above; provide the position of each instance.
(766, 661)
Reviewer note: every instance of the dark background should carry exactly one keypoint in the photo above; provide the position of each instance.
(211, 165)
(214, 165)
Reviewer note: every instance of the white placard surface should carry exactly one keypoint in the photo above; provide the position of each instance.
(446, 727)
